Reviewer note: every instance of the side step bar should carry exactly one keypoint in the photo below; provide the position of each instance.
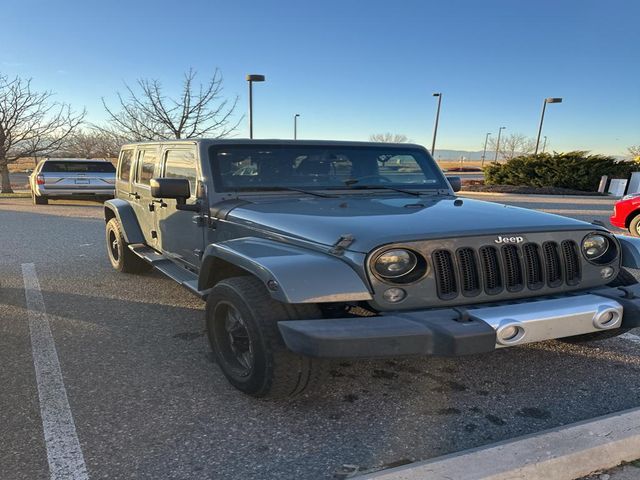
(184, 277)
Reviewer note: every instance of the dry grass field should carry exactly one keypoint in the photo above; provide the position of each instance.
(444, 164)
(22, 164)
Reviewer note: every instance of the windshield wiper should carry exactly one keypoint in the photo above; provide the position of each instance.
(308, 192)
(351, 184)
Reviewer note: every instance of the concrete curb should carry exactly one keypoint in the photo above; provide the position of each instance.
(562, 453)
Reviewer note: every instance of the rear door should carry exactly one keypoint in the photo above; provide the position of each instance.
(181, 232)
(142, 173)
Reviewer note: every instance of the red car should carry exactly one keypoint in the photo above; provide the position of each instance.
(626, 214)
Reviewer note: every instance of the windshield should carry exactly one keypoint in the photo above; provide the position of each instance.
(273, 167)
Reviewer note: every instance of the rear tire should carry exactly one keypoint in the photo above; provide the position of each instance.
(624, 279)
(39, 199)
(634, 226)
(121, 258)
(242, 325)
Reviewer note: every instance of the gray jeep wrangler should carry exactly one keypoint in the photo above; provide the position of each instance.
(309, 250)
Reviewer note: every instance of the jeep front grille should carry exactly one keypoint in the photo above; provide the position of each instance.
(445, 274)
(553, 267)
(509, 267)
(469, 274)
(571, 262)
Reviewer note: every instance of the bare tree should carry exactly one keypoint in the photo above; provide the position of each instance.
(148, 114)
(634, 151)
(111, 141)
(31, 124)
(83, 144)
(96, 142)
(389, 137)
(513, 145)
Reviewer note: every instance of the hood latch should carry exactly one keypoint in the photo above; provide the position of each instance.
(342, 244)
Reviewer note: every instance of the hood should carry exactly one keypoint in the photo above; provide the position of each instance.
(375, 221)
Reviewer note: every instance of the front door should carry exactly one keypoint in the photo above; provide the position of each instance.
(181, 233)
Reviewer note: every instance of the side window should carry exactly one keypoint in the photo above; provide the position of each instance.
(146, 165)
(181, 164)
(124, 168)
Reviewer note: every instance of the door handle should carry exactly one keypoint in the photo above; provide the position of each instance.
(134, 195)
(160, 203)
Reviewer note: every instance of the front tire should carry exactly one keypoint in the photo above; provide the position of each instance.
(634, 226)
(242, 325)
(121, 258)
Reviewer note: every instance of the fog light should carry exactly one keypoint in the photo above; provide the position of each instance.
(607, 318)
(607, 272)
(394, 295)
(509, 333)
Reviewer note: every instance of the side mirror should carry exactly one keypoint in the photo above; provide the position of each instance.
(177, 188)
(455, 182)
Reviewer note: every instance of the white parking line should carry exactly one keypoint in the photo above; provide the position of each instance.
(630, 337)
(63, 448)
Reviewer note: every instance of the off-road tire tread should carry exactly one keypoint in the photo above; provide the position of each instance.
(129, 262)
(292, 374)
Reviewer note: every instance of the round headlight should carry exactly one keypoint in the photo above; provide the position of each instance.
(395, 263)
(595, 246)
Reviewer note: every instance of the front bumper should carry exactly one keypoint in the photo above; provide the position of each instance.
(477, 329)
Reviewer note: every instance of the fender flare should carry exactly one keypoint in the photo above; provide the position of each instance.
(123, 211)
(629, 251)
(300, 275)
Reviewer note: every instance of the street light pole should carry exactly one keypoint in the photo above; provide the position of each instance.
(544, 145)
(295, 126)
(484, 152)
(252, 78)
(435, 128)
(498, 144)
(544, 106)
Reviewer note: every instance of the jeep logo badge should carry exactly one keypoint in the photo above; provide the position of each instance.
(502, 239)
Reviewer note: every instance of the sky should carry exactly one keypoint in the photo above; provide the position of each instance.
(353, 68)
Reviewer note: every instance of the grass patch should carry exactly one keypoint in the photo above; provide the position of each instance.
(15, 195)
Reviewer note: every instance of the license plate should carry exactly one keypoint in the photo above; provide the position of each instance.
(82, 181)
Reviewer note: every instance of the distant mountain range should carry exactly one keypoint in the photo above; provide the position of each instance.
(456, 154)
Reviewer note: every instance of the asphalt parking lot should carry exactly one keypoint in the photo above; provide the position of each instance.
(148, 402)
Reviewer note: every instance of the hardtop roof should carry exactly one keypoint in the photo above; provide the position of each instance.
(273, 141)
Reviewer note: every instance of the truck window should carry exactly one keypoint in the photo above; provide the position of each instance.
(124, 168)
(60, 166)
(181, 164)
